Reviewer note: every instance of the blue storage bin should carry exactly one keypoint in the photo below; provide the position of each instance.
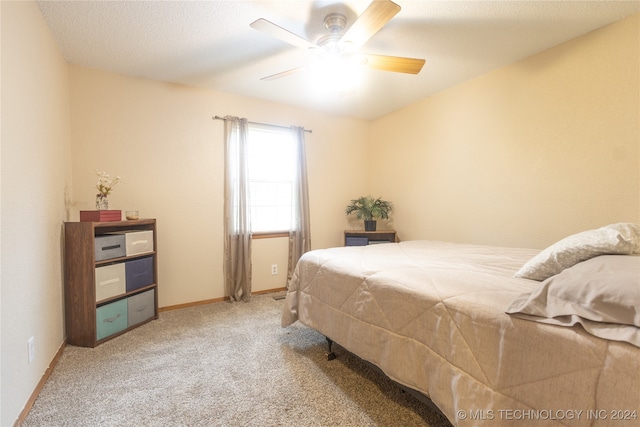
(139, 273)
(357, 241)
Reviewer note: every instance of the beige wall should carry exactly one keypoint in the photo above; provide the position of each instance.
(162, 139)
(524, 155)
(35, 170)
(267, 252)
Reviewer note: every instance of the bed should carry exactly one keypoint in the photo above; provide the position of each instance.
(432, 316)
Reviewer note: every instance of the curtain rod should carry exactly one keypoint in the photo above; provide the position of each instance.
(265, 124)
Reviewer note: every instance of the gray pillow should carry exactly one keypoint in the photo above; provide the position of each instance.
(622, 238)
(602, 294)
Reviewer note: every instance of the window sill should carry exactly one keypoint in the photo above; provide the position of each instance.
(270, 234)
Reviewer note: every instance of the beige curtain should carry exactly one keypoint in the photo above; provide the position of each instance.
(300, 233)
(237, 227)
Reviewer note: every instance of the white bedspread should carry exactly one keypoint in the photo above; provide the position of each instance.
(431, 316)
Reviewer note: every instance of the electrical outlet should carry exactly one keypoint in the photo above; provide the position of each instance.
(274, 268)
(32, 350)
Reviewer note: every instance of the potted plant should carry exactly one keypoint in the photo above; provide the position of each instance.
(368, 209)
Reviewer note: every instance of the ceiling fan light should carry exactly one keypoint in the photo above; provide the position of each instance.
(333, 75)
(347, 46)
(330, 45)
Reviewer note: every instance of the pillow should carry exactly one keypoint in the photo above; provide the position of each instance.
(602, 294)
(622, 238)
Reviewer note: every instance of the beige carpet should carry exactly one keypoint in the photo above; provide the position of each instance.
(221, 364)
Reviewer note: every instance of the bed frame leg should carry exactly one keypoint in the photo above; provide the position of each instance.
(330, 354)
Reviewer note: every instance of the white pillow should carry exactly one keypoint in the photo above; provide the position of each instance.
(601, 294)
(621, 239)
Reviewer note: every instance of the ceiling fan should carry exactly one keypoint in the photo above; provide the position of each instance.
(345, 47)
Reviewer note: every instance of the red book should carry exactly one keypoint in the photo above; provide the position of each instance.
(101, 216)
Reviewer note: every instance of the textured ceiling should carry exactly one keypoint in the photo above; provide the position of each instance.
(210, 44)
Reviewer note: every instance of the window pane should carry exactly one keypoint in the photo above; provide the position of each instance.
(271, 170)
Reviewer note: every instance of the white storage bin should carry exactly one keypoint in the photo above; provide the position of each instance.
(137, 242)
(110, 281)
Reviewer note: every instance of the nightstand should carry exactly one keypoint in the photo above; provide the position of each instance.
(363, 238)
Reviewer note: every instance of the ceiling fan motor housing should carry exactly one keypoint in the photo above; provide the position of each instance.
(335, 23)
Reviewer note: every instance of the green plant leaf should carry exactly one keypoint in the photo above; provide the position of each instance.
(367, 208)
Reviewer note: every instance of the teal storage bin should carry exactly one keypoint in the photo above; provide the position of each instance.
(111, 318)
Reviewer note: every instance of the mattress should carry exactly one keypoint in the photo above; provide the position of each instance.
(431, 315)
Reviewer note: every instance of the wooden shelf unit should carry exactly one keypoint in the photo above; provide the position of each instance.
(80, 266)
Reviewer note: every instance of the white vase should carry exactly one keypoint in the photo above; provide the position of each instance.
(102, 202)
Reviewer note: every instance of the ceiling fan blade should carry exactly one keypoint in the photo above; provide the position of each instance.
(282, 74)
(396, 64)
(375, 16)
(280, 33)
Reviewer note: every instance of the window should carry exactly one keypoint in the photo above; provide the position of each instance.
(271, 162)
